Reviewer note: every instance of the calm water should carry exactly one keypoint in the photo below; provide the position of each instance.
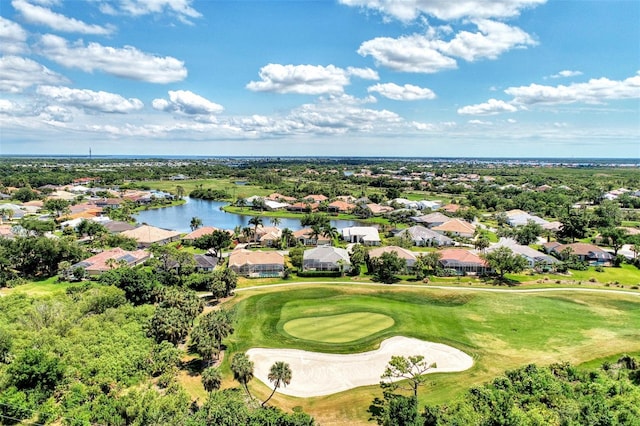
(179, 217)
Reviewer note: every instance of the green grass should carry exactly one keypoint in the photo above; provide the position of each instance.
(341, 328)
(227, 185)
(500, 331)
(35, 288)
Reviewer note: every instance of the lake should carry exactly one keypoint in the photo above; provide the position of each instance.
(179, 217)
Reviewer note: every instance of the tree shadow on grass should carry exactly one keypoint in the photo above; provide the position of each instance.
(193, 367)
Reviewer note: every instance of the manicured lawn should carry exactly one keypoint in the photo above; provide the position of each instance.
(626, 275)
(501, 331)
(341, 328)
(227, 185)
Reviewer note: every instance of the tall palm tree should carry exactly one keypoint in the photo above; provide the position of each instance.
(179, 191)
(255, 221)
(211, 379)
(196, 223)
(331, 232)
(316, 231)
(286, 237)
(275, 221)
(242, 368)
(279, 374)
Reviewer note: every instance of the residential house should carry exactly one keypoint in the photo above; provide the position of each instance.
(269, 236)
(533, 257)
(365, 235)
(306, 207)
(306, 238)
(425, 237)
(463, 262)
(432, 219)
(451, 208)
(378, 209)
(255, 264)
(147, 235)
(111, 259)
(205, 263)
(6, 231)
(403, 253)
(315, 198)
(457, 227)
(521, 218)
(117, 226)
(326, 258)
(194, 235)
(282, 198)
(589, 253)
(340, 206)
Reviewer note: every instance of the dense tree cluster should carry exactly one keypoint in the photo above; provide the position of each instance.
(557, 395)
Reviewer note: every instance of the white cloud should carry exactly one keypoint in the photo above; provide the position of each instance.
(363, 73)
(408, 92)
(42, 16)
(186, 102)
(480, 123)
(12, 37)
(567, 73)
(89, 99)
(414, 53)
(425, 53)
(491, 107)
(181, 8)
(306, 79)
(594, 91)
(493, 39)
(17, 74)
(408, 10)
(127, 62)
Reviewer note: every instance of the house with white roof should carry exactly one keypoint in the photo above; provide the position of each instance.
(365, 235)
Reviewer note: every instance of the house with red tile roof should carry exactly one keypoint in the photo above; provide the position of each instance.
(111, 259)
(463, 262)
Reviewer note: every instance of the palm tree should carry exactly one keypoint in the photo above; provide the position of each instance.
(280, 373)
(255, 221)
(242, 368)
(316, 231)
(179, 191)
(286, 237)
(331, 232)
(241, 202)
(275, 221)
(196, 223)
(211, 379)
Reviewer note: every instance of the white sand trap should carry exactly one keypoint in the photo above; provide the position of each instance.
(317, 374)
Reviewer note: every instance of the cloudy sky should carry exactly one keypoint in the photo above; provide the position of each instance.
(424, 78)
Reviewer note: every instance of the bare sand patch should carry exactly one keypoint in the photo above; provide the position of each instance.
(317, 374)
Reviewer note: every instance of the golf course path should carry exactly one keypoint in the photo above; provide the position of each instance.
(442, 287)
(317, 374)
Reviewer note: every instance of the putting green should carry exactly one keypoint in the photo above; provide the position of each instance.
(338, 328)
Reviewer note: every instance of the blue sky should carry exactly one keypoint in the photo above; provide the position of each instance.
(472, 78)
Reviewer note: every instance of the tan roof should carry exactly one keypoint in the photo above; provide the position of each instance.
(461, 255)
(200, 232)
(150, 234)
(316, 197)
(242, 257)
(402, 253)
(377, 208)
(456, 225)
(451, 208)
(580, 249)
(342, 205)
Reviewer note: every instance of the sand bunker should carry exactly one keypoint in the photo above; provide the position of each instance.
(317, 374)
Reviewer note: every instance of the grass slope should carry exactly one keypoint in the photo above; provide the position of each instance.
(501, 331)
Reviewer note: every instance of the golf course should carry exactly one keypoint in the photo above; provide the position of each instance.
(499, 330)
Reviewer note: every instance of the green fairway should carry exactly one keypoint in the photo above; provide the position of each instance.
(499, 330)
(338, 328)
